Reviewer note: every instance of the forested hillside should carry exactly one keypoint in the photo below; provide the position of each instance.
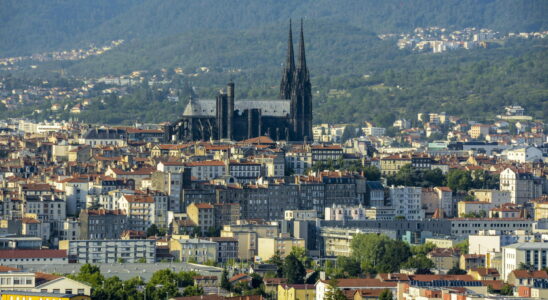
(28, 26)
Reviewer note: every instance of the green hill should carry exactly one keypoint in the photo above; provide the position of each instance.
(29, 26)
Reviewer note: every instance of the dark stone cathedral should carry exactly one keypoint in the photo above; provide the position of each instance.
(225, 118)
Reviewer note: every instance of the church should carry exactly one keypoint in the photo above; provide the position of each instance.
(288, 118)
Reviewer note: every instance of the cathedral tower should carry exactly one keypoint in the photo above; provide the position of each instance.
(301, 96)
(286, 84)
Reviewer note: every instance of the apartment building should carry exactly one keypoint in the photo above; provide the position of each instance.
(193, 250)
(281, 245)
(522, 185)
(406, 201)
(531, 254)
(202, 214)
(102, 224)
(110, 251)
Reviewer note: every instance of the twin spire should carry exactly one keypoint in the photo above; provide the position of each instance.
(290, 60)
(288, 75)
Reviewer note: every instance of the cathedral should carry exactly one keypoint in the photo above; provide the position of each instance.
(288, 118)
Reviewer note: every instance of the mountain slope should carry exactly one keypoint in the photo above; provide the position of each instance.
(28, 26)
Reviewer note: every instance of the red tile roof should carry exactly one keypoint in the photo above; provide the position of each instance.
(530, 274)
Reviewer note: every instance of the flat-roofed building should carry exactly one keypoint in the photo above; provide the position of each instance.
(110, 251)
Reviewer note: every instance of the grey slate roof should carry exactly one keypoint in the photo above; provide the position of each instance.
(207, 107)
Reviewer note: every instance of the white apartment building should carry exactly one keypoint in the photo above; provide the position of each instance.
(523, 186)
(406, 201)
(340, 213)
(492, 241)
(523, 155)
(298, 160)
(468, 226)
(145, 210)
(374, 131)
(207, 170)
(533, 254)
(300, 215)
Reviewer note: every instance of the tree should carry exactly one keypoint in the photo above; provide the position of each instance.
(333, 292)
(379, 253)
(421, 263)
(193, 290)
(423, 249)
(463, 246)
(301, 254)
(459, 180)
(186, 278)
(90, 274)
(455, 270)
(348, 267)
(225, 284)
(293, 270)
(386, 294)
(372, 173)
(277, 260)
(153, 230)
(525, 266)
(507, 290)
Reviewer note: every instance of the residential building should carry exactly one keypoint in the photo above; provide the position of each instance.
(225, 214)
(339, 213)
(207, 170)
(469, 226)
(193, 250)
(269, 246)
(350, 284)
(296, 292)
(336, 241)
(406, 202)
(444, 258)
(102, 224)
(110, 251)
(471, 261)
(479, 130)
(497, 197)
(522, 185)
(524, 155)
(227, 249)
(247, 235)
(202, 214)
(529, 254)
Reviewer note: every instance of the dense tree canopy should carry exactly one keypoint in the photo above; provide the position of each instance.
(378, 253)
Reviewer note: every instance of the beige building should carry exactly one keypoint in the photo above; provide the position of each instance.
(193, 250)
(444, 258)
(466, 207)
(492, 196)
(247, 235)
(541, 208)
(442, 242)
(202, 214)
(281, 245)
(478, 130)
(390, 165)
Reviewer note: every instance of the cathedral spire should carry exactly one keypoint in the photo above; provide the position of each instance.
(290, 60)
(286, 84)
(302, 56)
